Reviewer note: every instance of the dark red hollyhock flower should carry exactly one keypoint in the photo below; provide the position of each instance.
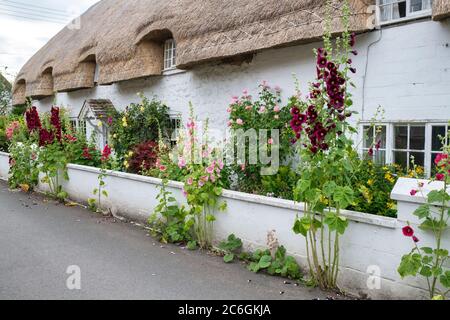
(322, 62)
(408, 231)
(56, 122)
(32, 119)
(341, 81)
(349, 61)
(415, 239)
(316, 85)
(314, 149)
(352, 39)
(378, 145)
(319, 73)
(440, 177)
(353, 70)
(296, 125)
(370, 152)
(314, 94)
(106, 153)
(295, 111)
(45, 137)
(331, 66)
(355, 53)
(87, 154)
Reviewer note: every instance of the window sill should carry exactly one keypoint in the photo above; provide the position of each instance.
(172, 71)
(410, 18)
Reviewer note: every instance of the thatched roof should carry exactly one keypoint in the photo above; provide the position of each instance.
(441, 9)
(124, 37)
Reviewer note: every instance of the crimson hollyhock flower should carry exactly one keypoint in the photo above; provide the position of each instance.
(378, 145)
(408, 231)
(370, 152)
(86, 154)
(440, 158)
(352, 39)
(415, 239)
(440, 177)
(322, 62)
(353, 70)
(295, 111)
(45, 137)
(106, 153)
(413, 192)
(33, 120)
(55, 121)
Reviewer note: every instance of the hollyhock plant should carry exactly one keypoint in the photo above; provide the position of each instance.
(33, 120)
(11, 129)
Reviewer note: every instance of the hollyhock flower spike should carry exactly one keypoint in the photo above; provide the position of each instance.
(106, 153)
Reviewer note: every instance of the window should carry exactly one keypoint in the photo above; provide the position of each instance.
(170, 53)
(392, 10)
(401, 141)
(374, 135)
(409, 142)
(175, 122)
(78, 126)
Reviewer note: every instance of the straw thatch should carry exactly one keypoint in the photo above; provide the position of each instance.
(125, 38)
(441, 9)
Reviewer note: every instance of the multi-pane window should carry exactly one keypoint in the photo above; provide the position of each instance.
(170, 54)
(409, 145)
(406, 144)
(78, 126)
(375, 140)
(391, 10)
(176, 124)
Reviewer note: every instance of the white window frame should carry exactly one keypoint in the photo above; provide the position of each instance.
(390, 139)
(79, 124)
(170, 55)
(408, 149)
(176, 121)
(409, 15)
(375, 129)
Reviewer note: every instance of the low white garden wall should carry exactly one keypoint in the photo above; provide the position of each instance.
(371, 243)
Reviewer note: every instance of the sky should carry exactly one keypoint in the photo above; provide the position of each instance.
(27, 25)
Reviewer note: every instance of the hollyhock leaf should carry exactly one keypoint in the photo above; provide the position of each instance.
(228, 258)
(343, 196)
(433, 225)
(426, 271)
(445, 279)
(437, 196)
(329, 188)
(441, 252)
(427, 250)
(410, 265)
(423, 211)
(265, 262)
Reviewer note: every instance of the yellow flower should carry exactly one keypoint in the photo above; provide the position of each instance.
(142, 109)
(389, 177)
(99, 124)
(385, 168)
(126, 164)
(366, 194)
(370, 182)
(130, 154)
(115, 136)
(391, 205)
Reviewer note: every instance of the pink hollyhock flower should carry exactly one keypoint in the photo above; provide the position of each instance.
(190, 181)
(240, 122)
(201, 183)
(220, 164)
(243, 167)
(213, 178)
(265, 84)
(440, 177)
(210, 170)
(413, 192)
(262, 109)
(408, 231)
(270, 141)
(162, 168)
(229, 110)
(185, 194)
(181, 163)
(277, 109)
(230, 123)
(248, 108)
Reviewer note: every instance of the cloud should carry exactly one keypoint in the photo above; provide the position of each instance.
(21, 38)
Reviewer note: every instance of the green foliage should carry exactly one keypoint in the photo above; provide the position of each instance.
(263, 113)
(24, 165)
(280, 265)
(280, 185)
(168, 220)
(231, 247)
(139, 123)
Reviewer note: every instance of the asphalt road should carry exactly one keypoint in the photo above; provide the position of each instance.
(40, 239)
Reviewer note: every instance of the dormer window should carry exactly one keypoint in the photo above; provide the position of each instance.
(170, 54)
(397, 10)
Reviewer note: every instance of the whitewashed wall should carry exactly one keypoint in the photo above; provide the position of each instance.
(408, 73)
(370, 241)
